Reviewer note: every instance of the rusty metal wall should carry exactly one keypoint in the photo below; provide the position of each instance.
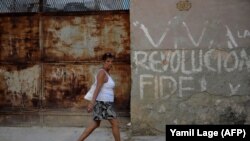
(65, 85)
(47, 63)
(85, 37)
(20, 86)
(19, 37)
(82, 39)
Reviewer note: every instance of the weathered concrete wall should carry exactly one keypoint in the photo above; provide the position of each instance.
(190, 63)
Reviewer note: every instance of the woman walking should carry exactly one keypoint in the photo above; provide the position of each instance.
(102, 103)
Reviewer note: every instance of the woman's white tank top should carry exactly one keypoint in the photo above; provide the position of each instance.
(107, 91)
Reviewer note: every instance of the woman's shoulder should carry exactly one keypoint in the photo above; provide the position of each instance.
(102, 72)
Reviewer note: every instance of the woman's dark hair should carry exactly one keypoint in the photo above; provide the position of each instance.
(107, 55)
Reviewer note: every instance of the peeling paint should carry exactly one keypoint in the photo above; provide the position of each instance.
(81, 37)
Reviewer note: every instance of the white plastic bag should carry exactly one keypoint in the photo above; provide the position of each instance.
(90, 93)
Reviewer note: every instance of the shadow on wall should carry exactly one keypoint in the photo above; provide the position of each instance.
(230, 116)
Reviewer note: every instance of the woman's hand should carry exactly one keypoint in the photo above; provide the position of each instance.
(90, 107)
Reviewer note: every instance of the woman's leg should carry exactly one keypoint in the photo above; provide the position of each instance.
(91, 127)
(115, 129)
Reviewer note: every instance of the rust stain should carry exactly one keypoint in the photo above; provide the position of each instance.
(20, 87)
(81, 38)
(19, 39)
(66, 85)
(121, 74)
(59, 73)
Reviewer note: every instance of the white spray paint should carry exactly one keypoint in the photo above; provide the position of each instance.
(245, 34)
(156, 45)
(233, 56)
(143, 83)
(234, 89)
(154, 63)
(162, 109)
(231, 39)
(187, 62)
(176, 61)
(140, 62)
(203, 83)
(172, 84)
(181, 85)
(194, 68)
(196, 44)
(172, 62)
(155, 83)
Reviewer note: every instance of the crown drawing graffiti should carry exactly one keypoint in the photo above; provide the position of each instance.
(183, 5)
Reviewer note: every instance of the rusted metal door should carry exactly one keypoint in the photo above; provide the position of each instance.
(47, 62)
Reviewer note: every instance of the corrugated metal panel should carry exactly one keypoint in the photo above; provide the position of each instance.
(85, 38)
(19, 37)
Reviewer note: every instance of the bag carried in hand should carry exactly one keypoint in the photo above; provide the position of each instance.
(90, 93)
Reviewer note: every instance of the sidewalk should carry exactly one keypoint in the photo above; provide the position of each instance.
(66, 134)
(63, 130)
